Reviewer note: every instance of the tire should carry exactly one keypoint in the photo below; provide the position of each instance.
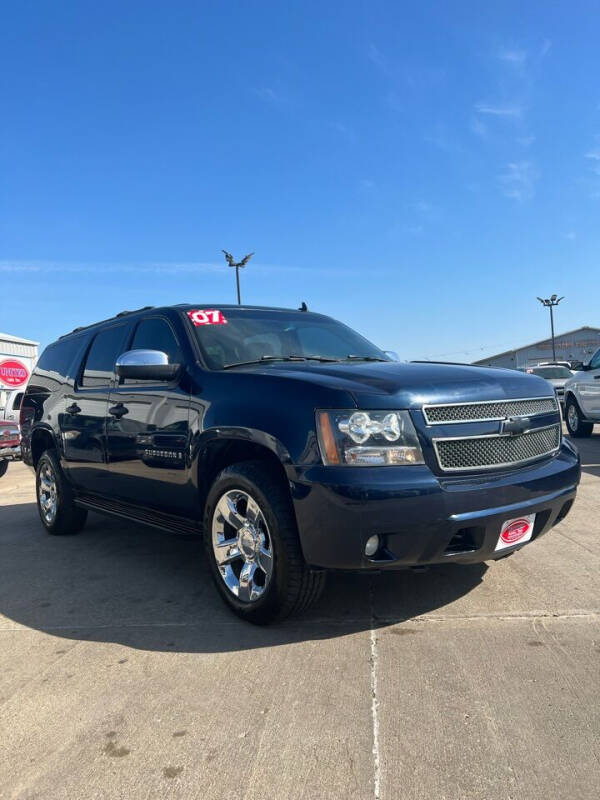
(256, 501)
(577, 426)
(3, 466)
(55, 500)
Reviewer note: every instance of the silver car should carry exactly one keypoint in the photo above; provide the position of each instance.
(555, 375)
(582, 398)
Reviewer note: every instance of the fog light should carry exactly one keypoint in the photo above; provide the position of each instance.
(372, 545)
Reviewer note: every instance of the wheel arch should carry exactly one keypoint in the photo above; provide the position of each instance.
(41, 439)
(220, 452)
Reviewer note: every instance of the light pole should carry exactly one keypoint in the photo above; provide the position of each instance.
(237, 264)
(550, 302)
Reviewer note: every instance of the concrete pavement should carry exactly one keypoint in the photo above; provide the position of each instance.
(122, 675)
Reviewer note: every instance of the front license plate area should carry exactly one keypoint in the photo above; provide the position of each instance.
(515, 531)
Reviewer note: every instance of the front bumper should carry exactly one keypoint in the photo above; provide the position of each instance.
(10, 453)
(422, 518)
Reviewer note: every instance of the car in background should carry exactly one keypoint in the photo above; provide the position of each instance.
(555, 375)
(10, 404)
(582, 398)
(10, 444)
(574, 366)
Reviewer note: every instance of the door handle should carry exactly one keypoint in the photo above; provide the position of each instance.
(73, 409)
(597, 377)
(118, 411)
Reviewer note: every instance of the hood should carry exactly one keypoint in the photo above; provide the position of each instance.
(382, 385)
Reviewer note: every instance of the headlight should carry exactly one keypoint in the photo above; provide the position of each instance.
(368, 438)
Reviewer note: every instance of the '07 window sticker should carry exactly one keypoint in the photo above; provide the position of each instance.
(207, 316)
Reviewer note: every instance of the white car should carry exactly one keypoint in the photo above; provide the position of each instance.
(556, 375)
(582, 398)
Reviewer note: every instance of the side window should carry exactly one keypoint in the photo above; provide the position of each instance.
(100, 361)
(595, 360)
(57, 360)
(155, 333)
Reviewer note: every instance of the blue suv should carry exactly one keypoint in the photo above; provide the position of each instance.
(293, 445)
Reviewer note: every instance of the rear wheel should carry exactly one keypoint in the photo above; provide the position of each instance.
(55, 501)
(576, 424)
(253, 547)
(3, 466)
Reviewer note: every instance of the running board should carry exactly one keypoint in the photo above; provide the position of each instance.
(139, 514)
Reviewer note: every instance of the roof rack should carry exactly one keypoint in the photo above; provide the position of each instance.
(116, 316)
(125, 313)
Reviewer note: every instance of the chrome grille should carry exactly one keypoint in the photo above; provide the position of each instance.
(498, 450)
(488, 410)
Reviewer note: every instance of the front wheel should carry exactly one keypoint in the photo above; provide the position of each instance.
(577, 426)
(253, 547)
(3, 466)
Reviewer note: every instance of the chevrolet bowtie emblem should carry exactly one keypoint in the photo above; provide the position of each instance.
(513, 426)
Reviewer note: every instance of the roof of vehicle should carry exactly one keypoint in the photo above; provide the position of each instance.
(186, 307)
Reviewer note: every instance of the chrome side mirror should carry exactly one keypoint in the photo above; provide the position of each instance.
(146, 365)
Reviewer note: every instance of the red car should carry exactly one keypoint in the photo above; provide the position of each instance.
(10, 444)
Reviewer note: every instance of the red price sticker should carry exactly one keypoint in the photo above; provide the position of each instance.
(207, 316)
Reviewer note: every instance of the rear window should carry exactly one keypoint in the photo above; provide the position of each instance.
(102, 355)
(551, 372)
(58, 359)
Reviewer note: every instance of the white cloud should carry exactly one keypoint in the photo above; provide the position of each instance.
(513, 56)
(518, 180)
(268, 94)
(478, 127)
(525, 141)
(594, 154)
(499, 110)
(375, 55)
(142, 268)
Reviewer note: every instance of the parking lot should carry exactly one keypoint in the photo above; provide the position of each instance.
(123, 675)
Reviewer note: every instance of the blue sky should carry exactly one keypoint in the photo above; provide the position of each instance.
(420, 171)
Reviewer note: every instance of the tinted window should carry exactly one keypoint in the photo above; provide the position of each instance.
(100, 362)
(552, 372)
(156, 334)
(57, 360)
(252, 334)
(595, 361)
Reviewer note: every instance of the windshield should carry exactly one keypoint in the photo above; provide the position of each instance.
(238, 336)
(552, 372)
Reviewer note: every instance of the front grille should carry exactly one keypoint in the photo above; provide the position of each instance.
(488, 452)
(488, 410)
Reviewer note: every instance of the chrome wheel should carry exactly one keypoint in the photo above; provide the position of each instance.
(47, 493)
(573, 417)
(242, 545)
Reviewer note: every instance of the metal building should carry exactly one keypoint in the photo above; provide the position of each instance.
(577, 345)
(18, 357)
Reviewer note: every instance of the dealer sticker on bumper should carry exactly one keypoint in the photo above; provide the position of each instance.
(515, 531)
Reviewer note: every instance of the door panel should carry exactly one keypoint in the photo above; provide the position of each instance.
(148, 441)
(84, 412)
(589, 388)
(148, 432)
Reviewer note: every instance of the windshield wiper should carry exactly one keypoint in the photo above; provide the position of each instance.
(291, 357)
(262, 359)
(365, 358)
